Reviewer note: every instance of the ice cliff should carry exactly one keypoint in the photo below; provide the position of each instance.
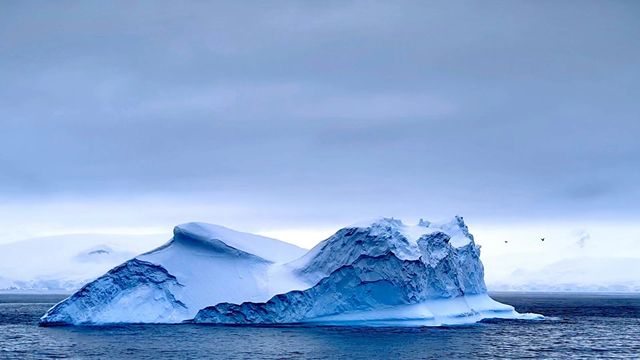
(380, 272)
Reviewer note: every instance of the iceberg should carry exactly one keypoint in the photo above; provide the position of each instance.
(380, 272)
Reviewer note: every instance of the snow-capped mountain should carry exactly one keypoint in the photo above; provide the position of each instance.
(379, 272)
(64, 263)
(578, 274)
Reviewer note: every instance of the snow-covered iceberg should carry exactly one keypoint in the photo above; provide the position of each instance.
(201, 265)
(375, 273)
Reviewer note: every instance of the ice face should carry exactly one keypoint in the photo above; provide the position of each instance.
(427, 240)
(369, 283)
(121, 296)
(369, 276)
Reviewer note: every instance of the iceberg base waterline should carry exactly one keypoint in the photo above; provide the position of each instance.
(436, 312)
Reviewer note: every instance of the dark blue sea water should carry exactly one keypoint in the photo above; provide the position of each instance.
(583, 326)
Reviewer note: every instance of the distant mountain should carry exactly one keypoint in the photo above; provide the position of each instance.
(62, 264)
(580, 274)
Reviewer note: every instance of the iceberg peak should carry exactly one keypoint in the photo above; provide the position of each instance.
(455, 228)
(198, 230)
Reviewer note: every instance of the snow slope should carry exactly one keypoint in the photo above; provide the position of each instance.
(64, 263)
(381, 272)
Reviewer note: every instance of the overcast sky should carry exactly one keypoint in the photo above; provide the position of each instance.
(278, 115)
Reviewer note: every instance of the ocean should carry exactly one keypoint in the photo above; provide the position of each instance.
(578, 326)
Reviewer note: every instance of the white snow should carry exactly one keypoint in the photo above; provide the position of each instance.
(262, 246)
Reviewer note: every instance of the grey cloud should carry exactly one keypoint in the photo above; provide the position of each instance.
(493, 109)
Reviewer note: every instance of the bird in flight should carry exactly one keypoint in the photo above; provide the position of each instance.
(541, 239)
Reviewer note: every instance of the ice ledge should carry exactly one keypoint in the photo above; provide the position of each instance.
(455, 228)
(210, 237)
(200, 231)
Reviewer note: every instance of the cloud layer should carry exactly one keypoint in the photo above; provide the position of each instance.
(353, 109)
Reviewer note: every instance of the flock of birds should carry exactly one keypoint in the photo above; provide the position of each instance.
(541, 239)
